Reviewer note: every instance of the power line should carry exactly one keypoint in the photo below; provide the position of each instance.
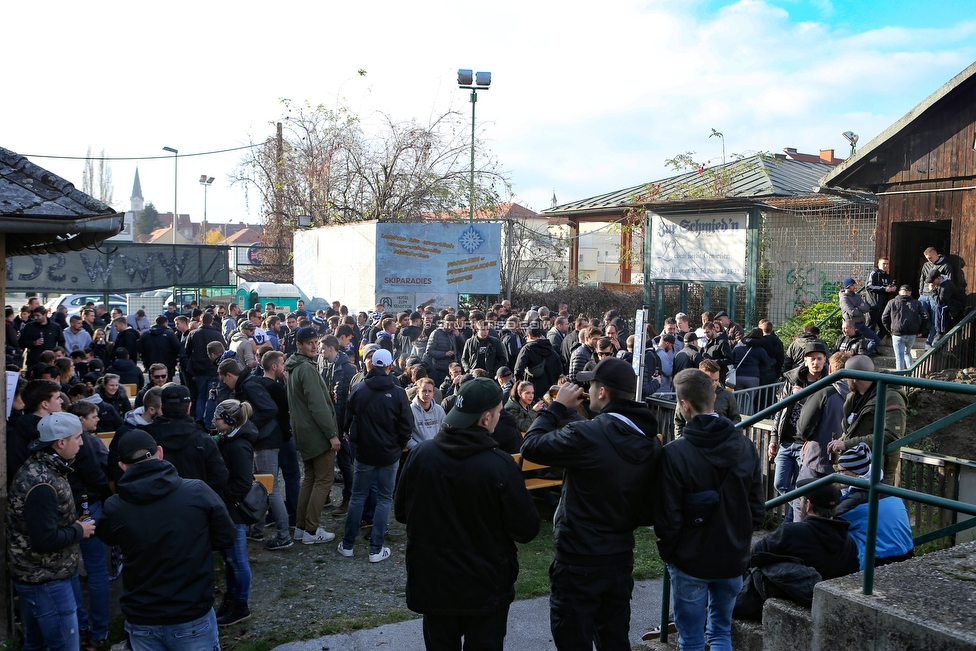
(163, 156)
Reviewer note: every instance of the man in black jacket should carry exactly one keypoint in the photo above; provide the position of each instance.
(39, 335)
(689, 356)
(610, 465)
(161, 345)
(188, 447)
(379, 422)
(850, 341)
(199, 366)
(465, 505)
(338, 374)
(168, 529)
(711, 499)
(905, 318)
(538, 362)
(126, 337)
(820, 540)
(880, 288)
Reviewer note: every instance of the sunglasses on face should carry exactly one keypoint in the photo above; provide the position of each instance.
(159, 377)
(608, 353)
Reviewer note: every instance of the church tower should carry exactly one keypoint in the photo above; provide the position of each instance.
(136, 202)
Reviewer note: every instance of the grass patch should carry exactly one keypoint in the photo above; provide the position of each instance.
(536, 556)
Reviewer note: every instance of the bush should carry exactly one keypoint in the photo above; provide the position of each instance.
(814, 314)
(591, 301)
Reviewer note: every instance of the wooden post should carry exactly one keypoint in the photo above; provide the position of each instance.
(573, 252)
(626, 247)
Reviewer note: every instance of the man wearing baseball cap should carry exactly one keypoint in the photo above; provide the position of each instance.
(378, 421)
(465, 505)
(610, 463)
(316, 436)
(168, 529)
(42, 549)
(853, 309)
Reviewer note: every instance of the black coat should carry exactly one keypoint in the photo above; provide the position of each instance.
(198, 362)
(687, 357)
(379, 419)
(534, 353)
(237, 452)
(610, 471)
(50, 332)
(168, 529)
(465, 505)
(128, 372)
(128, 339)
(825, 545)
(160, 345)
(265, 416)
(190, 449)
(711, 499)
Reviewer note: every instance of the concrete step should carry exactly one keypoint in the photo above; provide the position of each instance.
(922, 603)
(786, 625)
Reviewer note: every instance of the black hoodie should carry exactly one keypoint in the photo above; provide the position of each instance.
(190, 450)
(608, 483)
(465, 505)
(821, 543)
(161, 345)
(379, 419)
(711, 499)
(168, 529)
(538, 363)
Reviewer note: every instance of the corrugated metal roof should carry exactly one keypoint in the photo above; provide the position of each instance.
(756, 176)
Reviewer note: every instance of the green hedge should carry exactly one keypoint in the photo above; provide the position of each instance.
(814, 314)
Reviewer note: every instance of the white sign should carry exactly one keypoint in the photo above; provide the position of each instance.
(703, 248)
(396, 302)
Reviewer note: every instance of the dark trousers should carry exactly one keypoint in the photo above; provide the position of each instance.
(591, 605)
(480, 633)
(288, 463)
(344, 459)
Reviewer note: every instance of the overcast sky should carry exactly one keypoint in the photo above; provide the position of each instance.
(586, 98)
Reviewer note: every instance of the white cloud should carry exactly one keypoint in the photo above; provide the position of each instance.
(585, 98)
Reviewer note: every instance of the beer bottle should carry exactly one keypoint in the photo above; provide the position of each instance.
(86, 515)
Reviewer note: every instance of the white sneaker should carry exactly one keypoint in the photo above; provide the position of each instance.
(381, 556)
(345, 552)
(321, 536)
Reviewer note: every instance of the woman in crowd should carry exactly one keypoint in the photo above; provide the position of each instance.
(235, 439)
(523, 405)
(113, 393)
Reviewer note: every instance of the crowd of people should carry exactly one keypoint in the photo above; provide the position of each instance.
(419, 413)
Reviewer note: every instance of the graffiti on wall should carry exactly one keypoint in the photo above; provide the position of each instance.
(810, 285)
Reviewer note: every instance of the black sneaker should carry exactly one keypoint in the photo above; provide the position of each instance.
(239, 613)
(226, 605)
(279, 543)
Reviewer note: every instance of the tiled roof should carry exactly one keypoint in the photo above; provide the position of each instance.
(753, 177)
(43, 213)
(501, 211)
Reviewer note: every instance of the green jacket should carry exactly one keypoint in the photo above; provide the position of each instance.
(313, 416)
(861, 428)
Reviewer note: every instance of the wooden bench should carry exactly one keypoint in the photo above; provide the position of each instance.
(533, 483)
(106, 437)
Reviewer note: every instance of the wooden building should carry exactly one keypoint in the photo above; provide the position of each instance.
(923, 171)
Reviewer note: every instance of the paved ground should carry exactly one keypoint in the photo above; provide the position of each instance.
(528, 627)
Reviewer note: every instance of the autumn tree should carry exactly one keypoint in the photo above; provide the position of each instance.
(213, 236)
(96, 179)
(336, 171)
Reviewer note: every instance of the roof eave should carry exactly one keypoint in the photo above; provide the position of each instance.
(863, 156)
(28, 236)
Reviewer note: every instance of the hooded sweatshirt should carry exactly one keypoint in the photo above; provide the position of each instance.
(378, 419)
(191, 450)
(711, 499)
(465, 505)
(608, 486)
(168, 529)
(426, 422)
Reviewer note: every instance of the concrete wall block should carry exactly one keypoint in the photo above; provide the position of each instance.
(786, 626)
(747, 635)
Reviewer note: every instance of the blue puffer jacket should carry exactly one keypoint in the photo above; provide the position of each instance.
(894, 533)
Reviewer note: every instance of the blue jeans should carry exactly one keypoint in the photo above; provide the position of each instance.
(787, 467)
(204, 384)
(872, 339)
(198, 635)
(903, 347)
(93, 554)
(266, 461)
(362, 481)
(693, 600)
(237, 569)
(50, 616)
(288, 462)
(929, 306)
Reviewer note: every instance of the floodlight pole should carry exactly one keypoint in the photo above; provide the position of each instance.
(474, 101)
(473, 82)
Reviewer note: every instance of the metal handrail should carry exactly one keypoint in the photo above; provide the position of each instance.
(874, 486)
(939, 345)
(828, 317)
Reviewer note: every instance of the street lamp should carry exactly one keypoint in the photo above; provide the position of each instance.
(205, 181)
(175, 185)
(473, 82)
